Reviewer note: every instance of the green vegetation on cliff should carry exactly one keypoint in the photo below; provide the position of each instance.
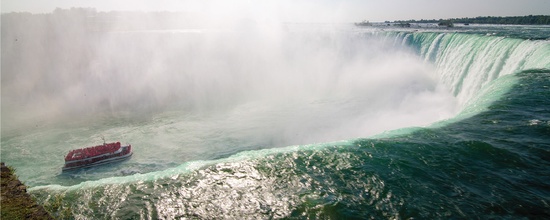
(16, 203)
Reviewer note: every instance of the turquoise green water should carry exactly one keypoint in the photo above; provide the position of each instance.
(352, 124)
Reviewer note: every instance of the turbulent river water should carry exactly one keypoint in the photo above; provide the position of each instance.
(301, 121)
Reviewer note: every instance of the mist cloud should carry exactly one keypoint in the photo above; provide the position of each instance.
(313, 82)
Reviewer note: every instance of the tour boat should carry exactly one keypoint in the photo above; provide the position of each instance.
(97, 155)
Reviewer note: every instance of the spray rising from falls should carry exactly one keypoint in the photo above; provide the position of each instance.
(299, 86)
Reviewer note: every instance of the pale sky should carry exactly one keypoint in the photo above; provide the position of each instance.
(305, 10)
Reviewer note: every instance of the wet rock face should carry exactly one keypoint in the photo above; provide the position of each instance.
(5, 169)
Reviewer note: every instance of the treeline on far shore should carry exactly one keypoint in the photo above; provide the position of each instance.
(525, 20)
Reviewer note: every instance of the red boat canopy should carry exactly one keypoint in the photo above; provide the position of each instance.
(82, 153)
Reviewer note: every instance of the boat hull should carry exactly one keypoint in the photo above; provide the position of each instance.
(97, 163)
